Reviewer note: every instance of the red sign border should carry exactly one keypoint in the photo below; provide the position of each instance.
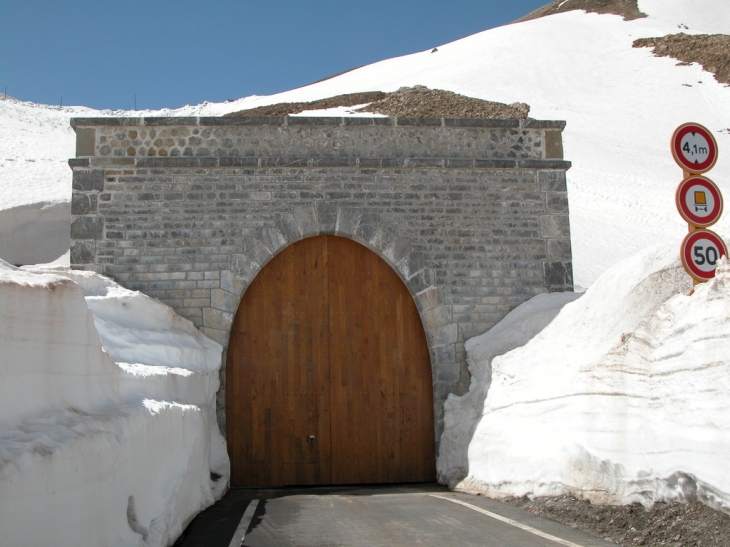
(687, 244)
(681, 202)
(692, 127)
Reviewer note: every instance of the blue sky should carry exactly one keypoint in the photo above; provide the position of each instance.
(169, 53)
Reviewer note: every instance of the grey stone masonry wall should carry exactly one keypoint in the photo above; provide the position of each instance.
(472, 214)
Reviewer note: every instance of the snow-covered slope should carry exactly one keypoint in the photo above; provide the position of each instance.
(621, 104)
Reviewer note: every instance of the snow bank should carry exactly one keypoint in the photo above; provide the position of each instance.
(621, 398)
(107, 413)
(35, 233)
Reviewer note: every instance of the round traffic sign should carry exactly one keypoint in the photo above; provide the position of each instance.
(699, 201)
(694, 148)
(700, 252)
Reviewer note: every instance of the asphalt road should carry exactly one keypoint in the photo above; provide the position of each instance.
(403, 516)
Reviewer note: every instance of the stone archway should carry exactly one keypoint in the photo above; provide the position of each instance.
(328, 373)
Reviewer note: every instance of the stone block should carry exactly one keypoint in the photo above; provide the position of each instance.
(96, 161)
(473, 328)
(87, 228)
(557, 202)
(421, 281)
(232, 283)
(306, 219)
(327, 212)
(171, 121)
(313, 120)
(552, 226)
(459, 163)
(542, 124)
(348, 221)
(83, 204)
(368, 226)
(217, 319)
(553, 145)
(448, 372)
(558, 274)
(177, 162)
(429, 298)
(398, 249)
(444, 354)
(86, 122)
(424, 162)
(414, 262)
(559, 250)
(256, 250)
(384, 238)
(273, 239)
(88, 180)
(420, 122)
(244, 267)
(223, 300)
(219, 336)
(289, 228)
(552, 181)
(447, 334)
(85, 141)
(83, 252)
(368, 121)
(437, 317)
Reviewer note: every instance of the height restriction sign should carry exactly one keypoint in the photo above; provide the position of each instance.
(700, 252)
(694, 148)
(699, 201)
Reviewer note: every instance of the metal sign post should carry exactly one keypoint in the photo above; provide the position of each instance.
(698, 199)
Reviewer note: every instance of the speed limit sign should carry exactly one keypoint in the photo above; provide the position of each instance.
(700, 252)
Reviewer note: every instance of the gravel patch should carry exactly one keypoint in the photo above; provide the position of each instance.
(628, 9)
(422, 102)
(662, 525)
(408, 102)
(712, 51)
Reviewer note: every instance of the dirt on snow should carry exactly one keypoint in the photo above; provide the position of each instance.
(422, 102)
(628, 9)
(662, 525)
(712, 51)
(286, 109)
(408, 102)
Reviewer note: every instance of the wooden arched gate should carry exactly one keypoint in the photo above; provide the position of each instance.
(328, 373)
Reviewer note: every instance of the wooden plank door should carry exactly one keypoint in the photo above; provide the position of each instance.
(328, 339)
(380, 373)
(277, 388)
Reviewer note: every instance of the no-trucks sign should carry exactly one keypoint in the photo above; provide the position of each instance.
(699, 201)
(700, 252)
(694, 148)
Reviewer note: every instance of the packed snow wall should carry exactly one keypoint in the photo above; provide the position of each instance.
(618, 397)
(471, 214)
(107, 414)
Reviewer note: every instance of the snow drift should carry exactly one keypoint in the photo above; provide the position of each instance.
(107, 414)
(621, 398)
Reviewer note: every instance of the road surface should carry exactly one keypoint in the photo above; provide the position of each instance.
(372, 516)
